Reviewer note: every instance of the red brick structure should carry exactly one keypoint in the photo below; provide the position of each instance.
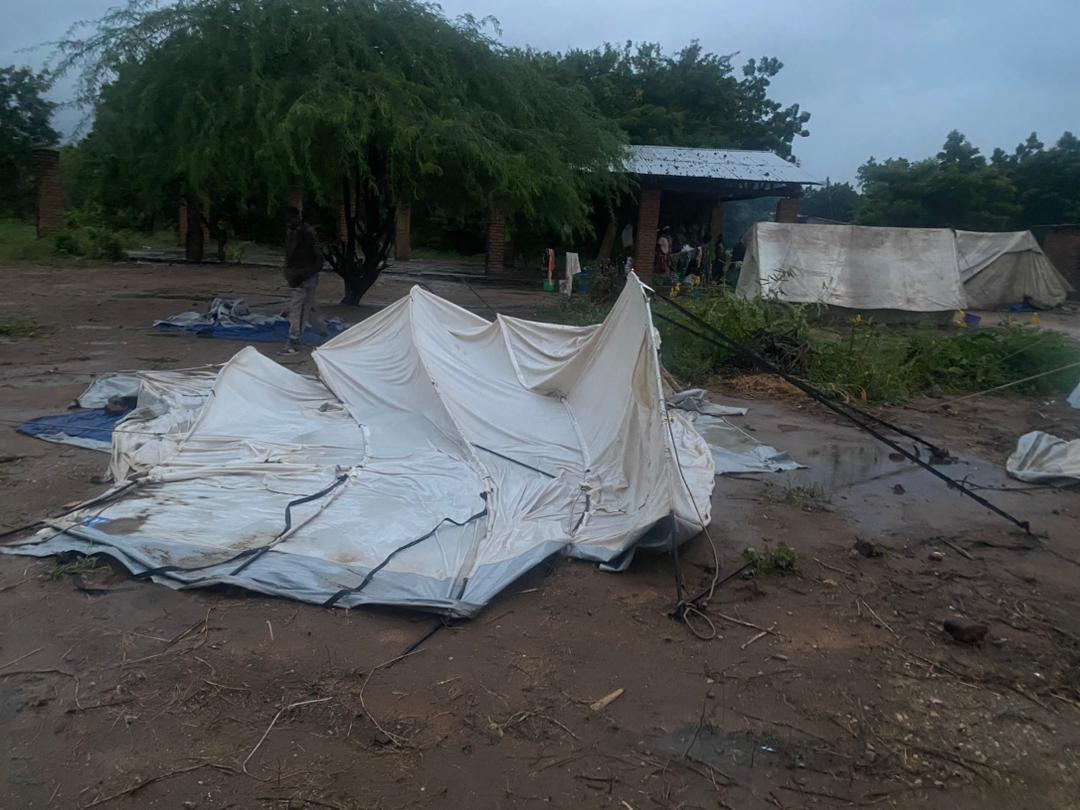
(295, 199)
(403, 232)
(193, 231)
(50, 197)
(1061, 244)
(648, 222)
(496, 240)
(787, 209)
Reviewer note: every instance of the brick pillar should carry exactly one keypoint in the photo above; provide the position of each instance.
(607, 243)
(295, 199)
(787, 209)
(50, 197)
(403, 232)
(496, 240)
(181, 223)
(195, 231)
(716, 221)
(648, 219)
(1062, 247)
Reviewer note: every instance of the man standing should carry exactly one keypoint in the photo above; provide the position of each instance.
(303, 261)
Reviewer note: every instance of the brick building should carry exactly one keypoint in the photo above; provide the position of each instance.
(702, 180)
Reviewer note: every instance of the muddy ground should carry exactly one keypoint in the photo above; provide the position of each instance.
(832, 687)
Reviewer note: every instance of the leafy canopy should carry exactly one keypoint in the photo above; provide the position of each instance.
(690, 98)
(257, 96)
(24, 124)
(960, 188)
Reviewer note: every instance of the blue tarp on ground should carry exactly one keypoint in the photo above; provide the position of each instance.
(233, 319)
(90, 428)
(277, 332)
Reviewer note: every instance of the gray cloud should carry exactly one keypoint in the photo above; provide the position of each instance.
(880, 78)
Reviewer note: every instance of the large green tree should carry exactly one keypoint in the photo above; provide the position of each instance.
(365, 103)
(960, 188)
(838, 201)
(956, 189)
(24, 123)
(689, 98)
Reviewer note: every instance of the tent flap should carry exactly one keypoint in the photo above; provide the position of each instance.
(1003, 269)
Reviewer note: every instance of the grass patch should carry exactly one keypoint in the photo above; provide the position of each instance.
(860, 359)
(436, 255)
(809, 498)
(19, 243)
(782, 561)
(79, 565)
(17, 326)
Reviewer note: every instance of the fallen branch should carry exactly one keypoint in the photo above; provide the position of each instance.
(880, 620)
(963, 552)
(147, 782)
(22, 657)
(396, 740)
(834, 568)
(607, 700)
(760, 635)
(262, 739)
(751, 625)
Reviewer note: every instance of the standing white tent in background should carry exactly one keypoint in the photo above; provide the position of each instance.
(436, 457)
(1002, 269)
(855, 267)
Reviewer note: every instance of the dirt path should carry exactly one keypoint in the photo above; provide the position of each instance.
(123, 694)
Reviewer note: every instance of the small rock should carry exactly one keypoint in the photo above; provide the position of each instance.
(899, 489)
(868, 549)
(831, 583)
(382, 739)
(935, 556)
(964, 631)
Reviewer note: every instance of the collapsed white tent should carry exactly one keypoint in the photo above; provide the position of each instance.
(436, 458)
(1002, 269)
(853, 267)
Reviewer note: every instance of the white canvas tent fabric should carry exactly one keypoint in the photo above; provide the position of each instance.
(854, 267)
(436, 458)
(1002, 269)
(1042, 458)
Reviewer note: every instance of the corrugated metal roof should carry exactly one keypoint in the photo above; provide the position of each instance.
(716, 164)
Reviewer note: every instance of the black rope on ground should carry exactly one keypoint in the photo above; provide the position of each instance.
(718, 337)
(288, 520)
(416, 644)
(386, 560)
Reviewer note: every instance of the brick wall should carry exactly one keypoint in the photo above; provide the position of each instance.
(403, 232)
(1062, 247)
(787, 209)
(496, 241)
(645, 235)
(50, 197)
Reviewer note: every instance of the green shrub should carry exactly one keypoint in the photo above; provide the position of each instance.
(860, 360)
(781, 560)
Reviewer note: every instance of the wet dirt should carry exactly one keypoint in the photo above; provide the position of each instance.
(835, 687)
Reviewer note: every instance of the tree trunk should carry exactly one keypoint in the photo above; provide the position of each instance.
(369, 219)
(359, 278)
(193, 240)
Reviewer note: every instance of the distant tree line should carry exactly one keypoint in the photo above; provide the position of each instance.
(960, 188)
(369, 104)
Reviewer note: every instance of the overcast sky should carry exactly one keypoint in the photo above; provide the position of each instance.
(879, 77)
